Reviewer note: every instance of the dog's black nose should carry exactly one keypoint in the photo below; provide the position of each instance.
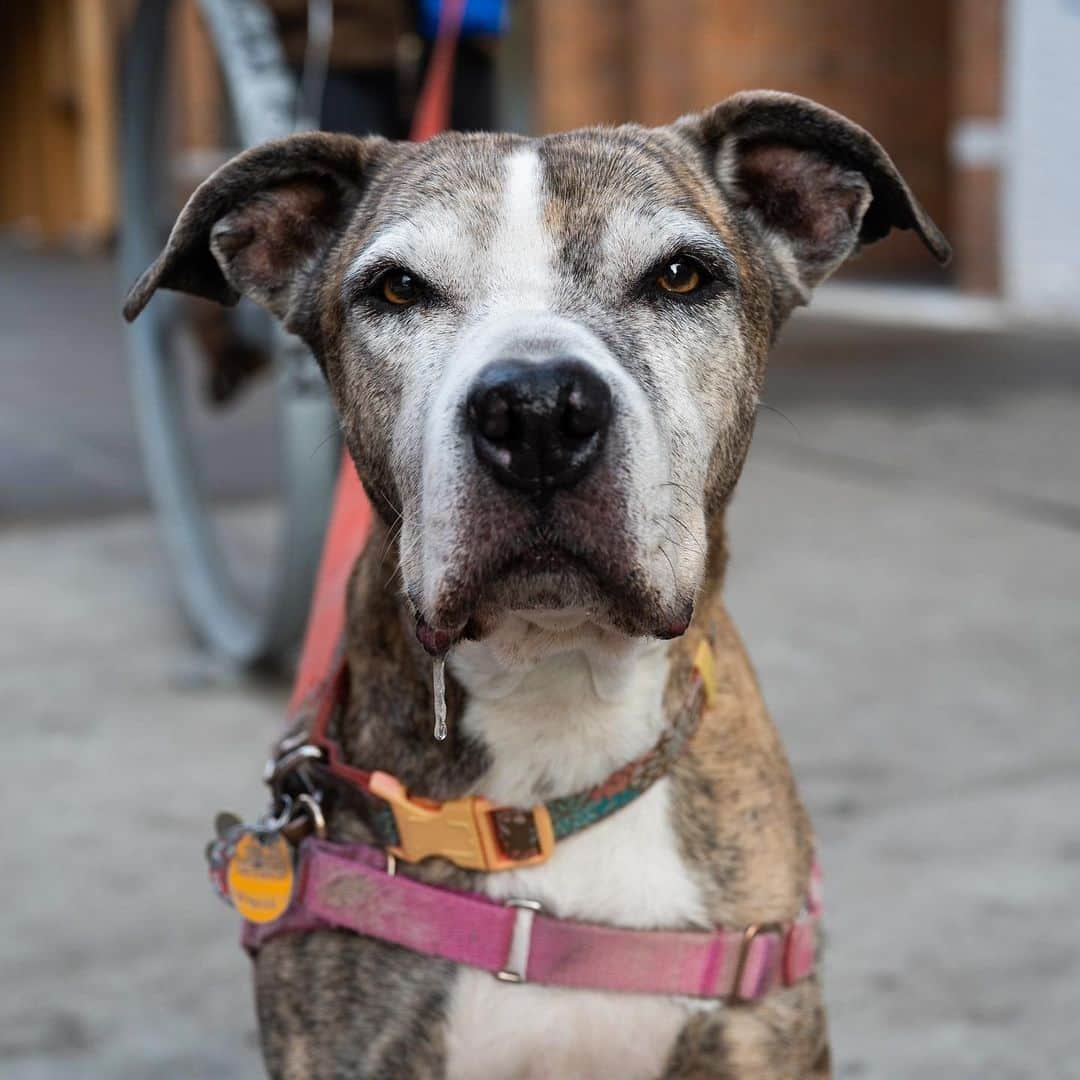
(538, 425)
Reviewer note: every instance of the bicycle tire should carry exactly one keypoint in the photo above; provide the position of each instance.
(260, 90)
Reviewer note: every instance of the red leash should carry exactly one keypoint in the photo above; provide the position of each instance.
(351, 516)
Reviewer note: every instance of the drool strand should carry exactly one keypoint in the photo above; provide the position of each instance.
(438, 669)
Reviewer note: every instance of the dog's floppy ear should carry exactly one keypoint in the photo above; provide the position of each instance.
(816, 183)
(261, 222)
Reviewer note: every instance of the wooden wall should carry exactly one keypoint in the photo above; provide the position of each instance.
(884, 64)
(60, 83)
(58, 121)
(906, 69)
(978, 78)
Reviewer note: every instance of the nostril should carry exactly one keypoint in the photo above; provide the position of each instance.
(491, 416)
(588, 404)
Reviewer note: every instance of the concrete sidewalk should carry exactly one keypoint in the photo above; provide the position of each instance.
(905, 570)
(67, 429)
(915, 620)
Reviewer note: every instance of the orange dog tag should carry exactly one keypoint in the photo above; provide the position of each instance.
(260, 877)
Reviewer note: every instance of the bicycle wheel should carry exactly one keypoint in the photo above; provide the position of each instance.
(249, 623)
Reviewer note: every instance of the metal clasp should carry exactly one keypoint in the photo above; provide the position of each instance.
(294, 758)
(314, 811)
(517, 956)
(461, 830)
(750, 934)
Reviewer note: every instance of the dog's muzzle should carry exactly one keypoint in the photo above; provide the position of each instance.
(538, 426)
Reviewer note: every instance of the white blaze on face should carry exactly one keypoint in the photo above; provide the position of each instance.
(522, 249)
(513, 287)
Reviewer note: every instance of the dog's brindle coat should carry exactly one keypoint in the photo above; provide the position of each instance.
(572, 616)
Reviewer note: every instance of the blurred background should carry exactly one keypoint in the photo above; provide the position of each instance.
(905, 539)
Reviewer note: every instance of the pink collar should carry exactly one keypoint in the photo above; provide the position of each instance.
(353, 887)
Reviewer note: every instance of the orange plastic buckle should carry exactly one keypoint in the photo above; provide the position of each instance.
(461, 830)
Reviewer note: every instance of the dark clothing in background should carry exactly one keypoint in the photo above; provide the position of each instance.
(367, 33)
(371, 86)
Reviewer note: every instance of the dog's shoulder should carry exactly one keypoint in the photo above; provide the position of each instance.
(782, 1037)
(736, 809)
(333, 1004)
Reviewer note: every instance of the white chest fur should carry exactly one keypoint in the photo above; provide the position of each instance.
(555, 728)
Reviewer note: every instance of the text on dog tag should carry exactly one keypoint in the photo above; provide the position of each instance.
(260, 876)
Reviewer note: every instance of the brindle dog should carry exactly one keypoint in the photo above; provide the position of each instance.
(546, 355)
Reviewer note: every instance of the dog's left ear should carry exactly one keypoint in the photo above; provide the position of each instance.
(817, 184)
(261, 222)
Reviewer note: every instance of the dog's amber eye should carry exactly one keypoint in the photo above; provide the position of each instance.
(400, 287)
(679, 276)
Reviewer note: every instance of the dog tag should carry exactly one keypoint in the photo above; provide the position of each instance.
(259, 875)
(227, 827)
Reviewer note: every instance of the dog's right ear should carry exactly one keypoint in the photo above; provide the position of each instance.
(815, 184)
(259, 225)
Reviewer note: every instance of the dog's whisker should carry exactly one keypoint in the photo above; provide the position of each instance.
(388, 502)
(783, 415)
(398, 569)
(392, 532)
(691, 543)
(392, 535)
(667, 557)
(322, 442)
(691, 538)
(675, 484)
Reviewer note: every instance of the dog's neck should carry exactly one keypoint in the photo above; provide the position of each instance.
(539, 723)
(545, 705)
(559, 707)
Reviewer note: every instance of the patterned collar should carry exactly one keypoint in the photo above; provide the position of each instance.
(470, 832)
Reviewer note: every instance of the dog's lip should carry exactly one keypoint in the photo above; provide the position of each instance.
(437, 640)
(541, 557)
(446, 628)
(555, 620)
(546, 559)
(472, 612)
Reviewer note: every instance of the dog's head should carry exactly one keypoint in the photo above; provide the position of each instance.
(546, 353)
